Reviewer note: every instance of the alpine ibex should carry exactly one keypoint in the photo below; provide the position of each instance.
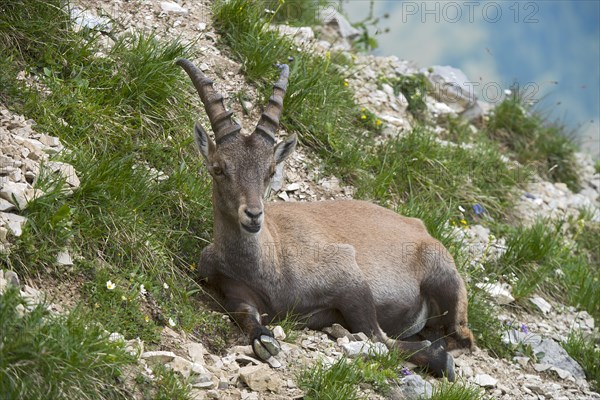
(348, 262)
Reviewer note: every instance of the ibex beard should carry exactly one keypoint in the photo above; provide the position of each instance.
(383, 274)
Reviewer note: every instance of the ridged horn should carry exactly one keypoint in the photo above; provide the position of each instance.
(269, 121)
(220, 119)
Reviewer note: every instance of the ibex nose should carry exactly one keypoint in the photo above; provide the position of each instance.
(254, 212)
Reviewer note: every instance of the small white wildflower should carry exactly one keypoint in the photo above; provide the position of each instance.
(143, 289)
(171, 322)
(507, 92)
(166, 285)
(461, 209)
(110, 285)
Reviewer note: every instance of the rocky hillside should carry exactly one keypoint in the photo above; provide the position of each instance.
(535, 324)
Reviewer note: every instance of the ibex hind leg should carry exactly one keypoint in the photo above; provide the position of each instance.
(447, 297)
(360, 315)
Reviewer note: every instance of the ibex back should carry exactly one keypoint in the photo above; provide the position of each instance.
(348, 262)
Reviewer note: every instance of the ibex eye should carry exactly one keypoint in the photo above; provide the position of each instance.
(217, 171)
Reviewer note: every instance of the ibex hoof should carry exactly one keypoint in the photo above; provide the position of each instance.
(443, 366)
(265, 347)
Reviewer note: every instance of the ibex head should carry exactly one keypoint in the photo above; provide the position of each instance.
(241, 166)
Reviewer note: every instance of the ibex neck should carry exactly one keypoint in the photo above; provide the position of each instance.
(229, 238)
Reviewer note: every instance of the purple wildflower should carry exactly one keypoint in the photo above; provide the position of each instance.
(524, 328)
(478, 209)
(405, 371)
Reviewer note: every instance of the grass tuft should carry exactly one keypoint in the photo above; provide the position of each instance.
(587, 353)
(342, 379)
(57, 357)
(535, 142)
(456, 391)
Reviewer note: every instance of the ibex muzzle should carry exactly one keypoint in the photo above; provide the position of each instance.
(348, 262)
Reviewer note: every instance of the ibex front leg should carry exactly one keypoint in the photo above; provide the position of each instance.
(244, 306)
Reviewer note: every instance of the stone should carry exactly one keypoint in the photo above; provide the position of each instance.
(451, 86)
(277, 180)
(204, 381)
(298, 33)
(331, 184)
(355, 349)
(135, 347)
(260, 378)
(485, 381)
(283, 196)
(158, 357)
(541, 304)
(522, 361)
(516, 337)
(181, 365)
(82, 19)
(116, 337)
(196, 352)
(64, 258)
(273, 362)
(292, 187)
(500, 292)
(66, 171)
(6, 205)
(330, 16)
(171, 7)
(279, 333)
(32, 296)
(16, 193)
(552, 353)
(12, 278)
(198, 369)
(337, 331)
(414, 387)
(166, 331)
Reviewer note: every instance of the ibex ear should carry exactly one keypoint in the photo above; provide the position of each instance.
(205, 144)
(285, 148)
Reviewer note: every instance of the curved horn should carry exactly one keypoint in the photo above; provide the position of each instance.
(220, 119)
(269, 121)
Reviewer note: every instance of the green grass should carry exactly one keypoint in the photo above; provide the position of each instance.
(457, 391)
(541, 259)
(417, 168)
(414, 88)
(318, 105)
(122, 224)
(342, 379)
(58, 357)
(168, 385)
(587, 353)
(534, 141)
